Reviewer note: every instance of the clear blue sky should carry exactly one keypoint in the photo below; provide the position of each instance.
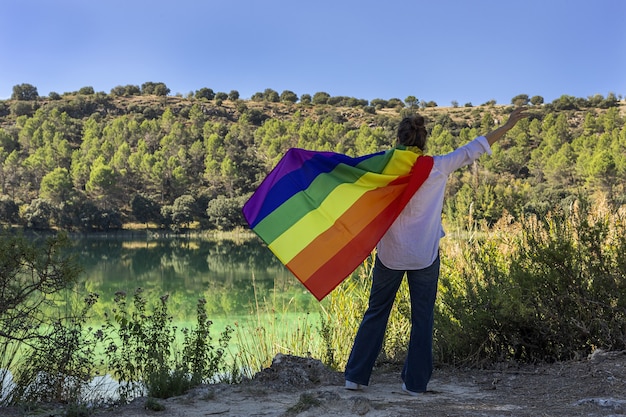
(441, 50)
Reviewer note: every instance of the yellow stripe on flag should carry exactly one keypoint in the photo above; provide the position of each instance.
(314, 223)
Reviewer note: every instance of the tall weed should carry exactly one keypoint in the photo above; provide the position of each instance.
(274, 332)
(201, 359)
(142, 351)
(342, 312)
(136, 343)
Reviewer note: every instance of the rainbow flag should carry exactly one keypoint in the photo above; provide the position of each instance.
(322, 213)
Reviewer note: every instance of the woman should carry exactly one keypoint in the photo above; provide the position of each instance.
(411, 246)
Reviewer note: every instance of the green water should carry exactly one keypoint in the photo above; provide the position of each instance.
(244, 285)
(238, 279)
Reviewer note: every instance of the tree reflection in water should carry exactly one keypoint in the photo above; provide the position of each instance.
(235, 277)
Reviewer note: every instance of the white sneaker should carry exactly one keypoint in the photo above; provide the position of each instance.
(353, 386)
(412, 393)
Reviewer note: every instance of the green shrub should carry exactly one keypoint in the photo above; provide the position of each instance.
(41, 337)
(554, 289)
(58, 364)
(153, 405)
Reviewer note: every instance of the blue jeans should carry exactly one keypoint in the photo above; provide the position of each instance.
(418, 366)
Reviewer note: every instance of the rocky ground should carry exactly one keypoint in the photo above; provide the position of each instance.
(295, 386)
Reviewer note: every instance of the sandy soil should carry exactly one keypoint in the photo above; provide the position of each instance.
(295, 386)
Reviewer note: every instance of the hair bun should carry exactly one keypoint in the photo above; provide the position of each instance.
(418, 121)
(412, 132)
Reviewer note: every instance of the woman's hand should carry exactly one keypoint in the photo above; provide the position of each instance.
(515, 116)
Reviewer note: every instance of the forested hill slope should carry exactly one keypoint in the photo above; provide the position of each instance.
(93, 161)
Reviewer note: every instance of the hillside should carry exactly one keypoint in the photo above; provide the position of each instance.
(102, 162)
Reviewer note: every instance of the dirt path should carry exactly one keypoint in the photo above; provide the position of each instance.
(302, 387)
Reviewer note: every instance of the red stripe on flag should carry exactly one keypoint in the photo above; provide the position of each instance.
(329, 275)
(352, 222)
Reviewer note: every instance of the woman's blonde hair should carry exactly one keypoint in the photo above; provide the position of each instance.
(412, 132)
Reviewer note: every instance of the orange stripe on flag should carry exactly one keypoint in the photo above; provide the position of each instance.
(329, 275)
(352, 222)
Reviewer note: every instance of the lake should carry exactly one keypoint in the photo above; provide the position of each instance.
(244, 284)
(237, 277)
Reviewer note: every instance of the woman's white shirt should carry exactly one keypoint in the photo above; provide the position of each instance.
(412, 241)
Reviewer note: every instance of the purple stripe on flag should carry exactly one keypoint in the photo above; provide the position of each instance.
(293, 174)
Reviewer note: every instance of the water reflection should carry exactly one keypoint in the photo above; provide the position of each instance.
(233, 276)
